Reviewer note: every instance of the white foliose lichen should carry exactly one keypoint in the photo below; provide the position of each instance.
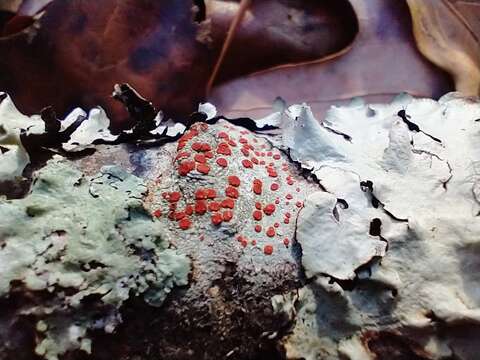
(89, 244)
(95, 127)
(398, 219)
(13, 155)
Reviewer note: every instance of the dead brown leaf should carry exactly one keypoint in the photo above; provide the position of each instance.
(381, 62)
(448, 33)
(82, 48)
(280, 32)
(79, 49)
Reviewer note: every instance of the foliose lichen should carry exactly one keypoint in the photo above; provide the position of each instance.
(85, 245)
(390, 246)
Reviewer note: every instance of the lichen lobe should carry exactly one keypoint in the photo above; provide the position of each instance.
(88, 243)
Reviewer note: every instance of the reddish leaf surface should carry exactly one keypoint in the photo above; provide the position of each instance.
(82, 48)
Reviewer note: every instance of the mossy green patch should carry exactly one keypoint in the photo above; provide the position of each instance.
(89, 242)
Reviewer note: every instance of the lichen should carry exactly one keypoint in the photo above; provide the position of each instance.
(335, 238)
(403, 176)
(94, 128)
(381, 213)
(88, 243)
(13, 155)
(228, 182)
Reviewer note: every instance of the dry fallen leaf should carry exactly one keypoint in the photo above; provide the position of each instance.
(447, 32)
(82, 48)
(280, 32)
(163, 49)
(381, 62)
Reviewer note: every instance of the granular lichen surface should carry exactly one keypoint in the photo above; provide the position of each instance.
(228, 184)
(90, 244)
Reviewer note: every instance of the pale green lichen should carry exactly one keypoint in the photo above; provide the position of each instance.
(89, 242)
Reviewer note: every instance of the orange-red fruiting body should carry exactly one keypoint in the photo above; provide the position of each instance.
(183, 154)
(222, 135)
(227, 215)
(257, 186)
(247, 163)
(197, 146)
(224, 149)
(213, 206)
(270, 232)
(272, 173)
(268, 249)
(222, 162)
(200, 158)
(257, 215)
(200, 194)
(269, 209)
(228, 203)
(203, 168)
(211, 193)
(200, 207)
(181, 144)
(206, 147)
(185, 167)
(234, 180)
(174, 196)
(231, 192)
(179, 215)
(185, 223)
(216, 219)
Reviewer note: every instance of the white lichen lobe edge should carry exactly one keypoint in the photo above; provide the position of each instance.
(418, 176)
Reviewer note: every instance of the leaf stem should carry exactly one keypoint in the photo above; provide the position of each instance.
(244, 4)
